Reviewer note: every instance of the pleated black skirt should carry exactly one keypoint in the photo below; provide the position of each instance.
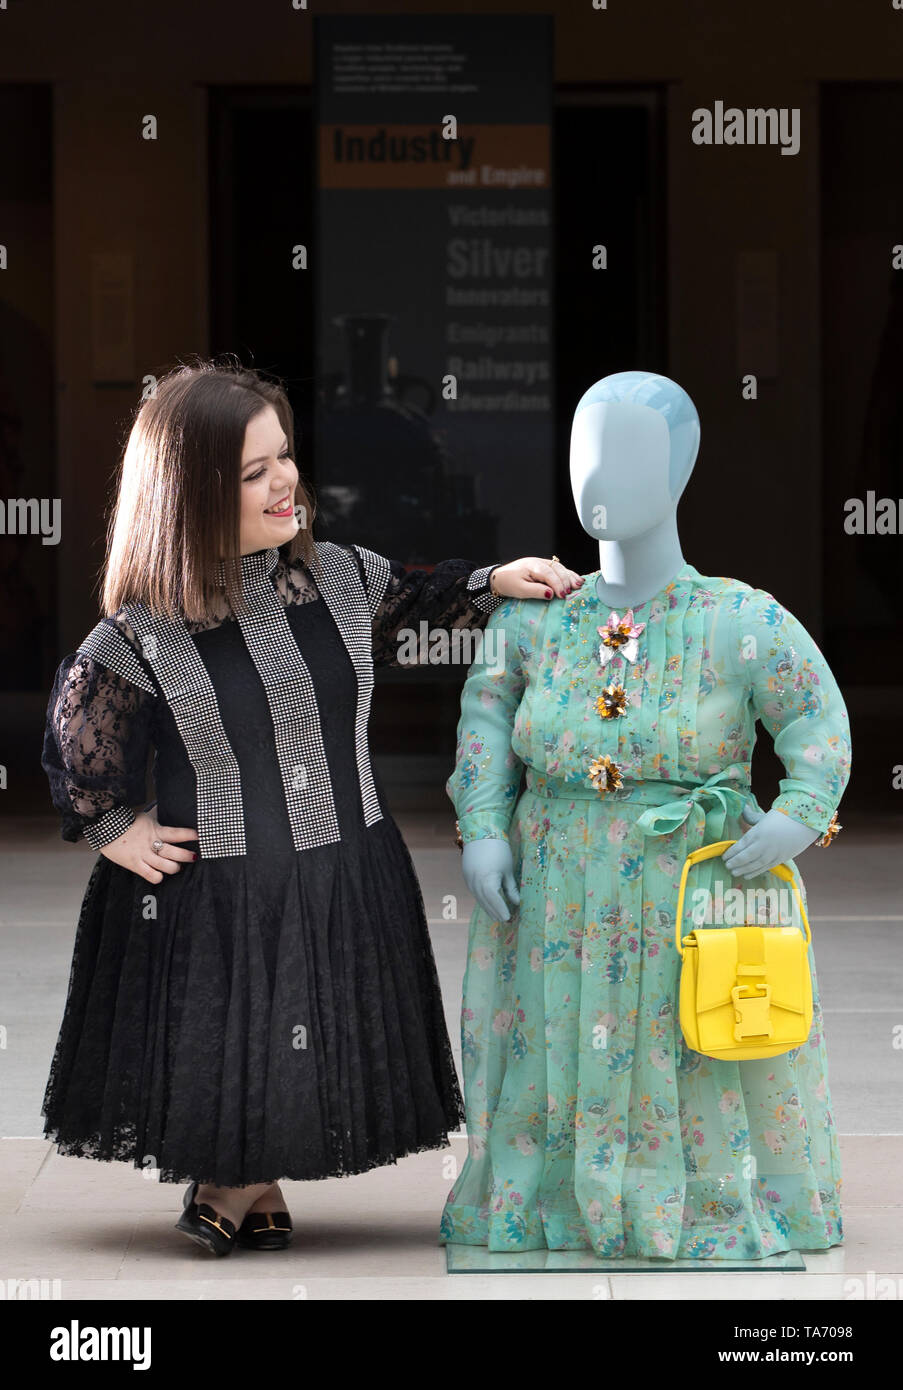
(275, 1015)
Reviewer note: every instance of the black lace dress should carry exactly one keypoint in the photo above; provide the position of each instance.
(271, 1010)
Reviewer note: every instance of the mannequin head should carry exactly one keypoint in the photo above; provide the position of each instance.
(634, 440)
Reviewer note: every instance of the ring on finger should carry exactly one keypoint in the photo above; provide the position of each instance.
(158, 845)
(556, 561)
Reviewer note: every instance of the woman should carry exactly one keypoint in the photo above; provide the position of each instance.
(271, 1007)
(590, 1123)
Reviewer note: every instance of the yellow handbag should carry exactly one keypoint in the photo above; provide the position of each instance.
(746, 991)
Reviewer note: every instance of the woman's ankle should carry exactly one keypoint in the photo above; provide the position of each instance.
(272, 1199)
(233, 1202)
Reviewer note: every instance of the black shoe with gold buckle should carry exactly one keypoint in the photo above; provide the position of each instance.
(205, 1225)
(266, 1230)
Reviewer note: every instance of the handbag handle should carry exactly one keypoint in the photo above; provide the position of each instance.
(708, 852)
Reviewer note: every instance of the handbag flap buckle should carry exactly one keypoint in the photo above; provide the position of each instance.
(752, 1011)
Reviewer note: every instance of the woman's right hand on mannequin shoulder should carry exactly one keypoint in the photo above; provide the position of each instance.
(135, 848)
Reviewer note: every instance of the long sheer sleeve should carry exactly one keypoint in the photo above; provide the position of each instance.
(793, 692)
(487, 776)
(453, 595)
(96, 740)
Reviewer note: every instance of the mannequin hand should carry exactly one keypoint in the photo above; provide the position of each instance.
(773, 839)
(486, 865)
(135, 848)
(531, 577)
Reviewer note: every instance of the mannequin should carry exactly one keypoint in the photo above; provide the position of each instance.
(634, 441)
(613, 741)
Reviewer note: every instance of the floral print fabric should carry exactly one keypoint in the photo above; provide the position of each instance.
(590, 1123)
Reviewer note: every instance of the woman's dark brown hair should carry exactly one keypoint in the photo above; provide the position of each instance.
(178, 505)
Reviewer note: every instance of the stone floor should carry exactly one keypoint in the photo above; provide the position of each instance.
(104, 1230)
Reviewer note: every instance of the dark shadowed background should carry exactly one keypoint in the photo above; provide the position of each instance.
(122, 250)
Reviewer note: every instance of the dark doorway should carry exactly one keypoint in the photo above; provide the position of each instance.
(608, 170)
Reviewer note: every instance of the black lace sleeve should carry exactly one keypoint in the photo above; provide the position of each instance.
(453, 595)
(96, 741)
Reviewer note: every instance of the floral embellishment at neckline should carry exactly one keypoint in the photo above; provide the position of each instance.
(605, 774)
(619, 636)
(612, 701)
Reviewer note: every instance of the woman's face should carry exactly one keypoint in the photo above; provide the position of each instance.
(268, 480)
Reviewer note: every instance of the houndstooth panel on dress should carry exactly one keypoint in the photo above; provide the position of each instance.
(290, 694)
(353, 607)
(106, 645)
(288, 685)
(377, 570)
(489, 601)
(172, 656)
(170, 653)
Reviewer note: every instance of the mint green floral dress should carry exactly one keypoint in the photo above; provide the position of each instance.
(590, 1123)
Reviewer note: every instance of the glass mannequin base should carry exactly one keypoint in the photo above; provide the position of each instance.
(476, 1259)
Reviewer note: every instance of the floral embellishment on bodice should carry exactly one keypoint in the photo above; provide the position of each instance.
(612, 702)
(619, 637)
(605, 774)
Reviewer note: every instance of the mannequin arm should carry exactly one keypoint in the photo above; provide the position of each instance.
(793, 692)
(486, 780)
(774, 838)
(487, 865)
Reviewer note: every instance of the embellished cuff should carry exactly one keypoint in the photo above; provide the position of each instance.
(109, 827)
(479, 591)
(808, 809)
(481, 825)
(831, 832)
